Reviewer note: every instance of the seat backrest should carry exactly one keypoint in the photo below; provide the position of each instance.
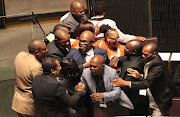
(175, 107)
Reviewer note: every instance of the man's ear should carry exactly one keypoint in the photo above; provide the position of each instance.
(52, 71)
(154, 54)
(72, 11)
(36, 52)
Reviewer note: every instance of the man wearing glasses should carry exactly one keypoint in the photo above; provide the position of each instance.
(86, 50)
(59, 47)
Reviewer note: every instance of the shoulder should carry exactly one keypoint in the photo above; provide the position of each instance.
(96, 49)
(73, 51)
(86, 72)
(112, 70)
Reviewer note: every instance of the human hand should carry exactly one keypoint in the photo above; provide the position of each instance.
(140, 38)
(80, 87)
(87, 64)
(113, 63)
(120, 82)
(97, 29)
(97, 96)
(134, 73)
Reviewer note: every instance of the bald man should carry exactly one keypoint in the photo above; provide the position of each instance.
(97, 80)
(59, 47)
(26, 66)
(156, 83)
(75, 16)
(132, 59)
(86, 50)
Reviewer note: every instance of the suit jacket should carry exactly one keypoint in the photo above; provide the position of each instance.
(51, 98)
(159, 82)
(111, 93)
(140, 103)
(72, 23)
(26, 67)
(77, 55)
(56, 51)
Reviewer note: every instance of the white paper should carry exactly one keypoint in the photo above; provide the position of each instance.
(103, 105)
(142, 92)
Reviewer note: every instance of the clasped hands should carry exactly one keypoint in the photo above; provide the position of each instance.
(120, 82)
(80, 87)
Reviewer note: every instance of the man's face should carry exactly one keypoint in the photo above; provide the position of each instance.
(128, 50)
(85, 43)
(42, 51)
(79, 12)
(96, 68)
(64, 41)
(112, 39)
(57, 70)
(147, 55)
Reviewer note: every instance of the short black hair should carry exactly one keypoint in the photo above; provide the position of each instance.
(58, 26)
(48, 64)
(99, 7)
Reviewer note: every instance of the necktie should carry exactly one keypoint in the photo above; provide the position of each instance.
(84, 56)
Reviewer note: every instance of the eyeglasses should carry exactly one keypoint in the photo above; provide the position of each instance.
(85, 42)
(113, 38)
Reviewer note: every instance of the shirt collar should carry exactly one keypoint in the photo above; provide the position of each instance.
(90, 52)
(97, 17)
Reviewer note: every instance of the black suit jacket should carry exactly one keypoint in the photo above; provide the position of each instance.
(77, 55)
(51, 98)
(159, 83)
(56, 51)
(140, 103)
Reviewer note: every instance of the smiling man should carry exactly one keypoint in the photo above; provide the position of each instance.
(86, 50)
(75, 16)
(156, 83)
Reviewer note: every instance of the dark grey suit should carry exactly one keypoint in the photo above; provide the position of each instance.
(159, 83)
(71, 23)
(56, 51)
(51, 97)
(77, 55)
(140, 103)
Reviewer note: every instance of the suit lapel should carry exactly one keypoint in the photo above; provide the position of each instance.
(105, 78)
(92, 85)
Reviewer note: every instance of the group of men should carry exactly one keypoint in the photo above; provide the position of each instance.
(140, 87)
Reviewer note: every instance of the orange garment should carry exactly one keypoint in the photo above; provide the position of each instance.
(75, 44)
(104, 46)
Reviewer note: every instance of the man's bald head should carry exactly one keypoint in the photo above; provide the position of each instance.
(151, 47)
(99, 59)
(135, 46)
(76, 4)
(86, 41)
(77, 9)
(35, 45)
(87, 34)
(37, 48)
(62, 37)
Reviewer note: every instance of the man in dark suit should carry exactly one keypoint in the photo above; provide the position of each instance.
(156, 82)
(97, 80)
(132, 59)
(50, 96)
(59, 47)
(75, 16)
(86, 50)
